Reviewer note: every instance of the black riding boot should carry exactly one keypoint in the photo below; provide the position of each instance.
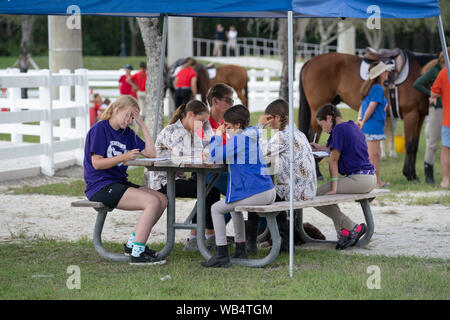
(241, 251)
(220, 259)
(283, 227)
(429, 173)
(252, 234)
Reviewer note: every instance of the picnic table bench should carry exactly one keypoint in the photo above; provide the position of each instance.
(268, 211)
(271, 211)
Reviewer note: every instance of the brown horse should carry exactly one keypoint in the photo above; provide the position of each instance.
(334, 77)
(232, 75)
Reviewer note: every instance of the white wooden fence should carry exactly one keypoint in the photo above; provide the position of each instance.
(61, 124)
(262, 47)
(55, 128)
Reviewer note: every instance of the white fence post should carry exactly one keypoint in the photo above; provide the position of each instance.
(46, 126)
(14, 95)
(82, 122)
(65, 94)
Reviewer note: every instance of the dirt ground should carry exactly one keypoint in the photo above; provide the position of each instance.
(400, 229)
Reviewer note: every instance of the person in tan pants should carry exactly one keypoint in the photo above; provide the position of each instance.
(349, 157)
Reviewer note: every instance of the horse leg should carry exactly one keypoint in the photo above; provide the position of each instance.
(413, 123)
(242, 97)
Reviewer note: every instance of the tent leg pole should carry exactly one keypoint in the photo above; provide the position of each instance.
(291, 140)
(444, 45)
(160, 77)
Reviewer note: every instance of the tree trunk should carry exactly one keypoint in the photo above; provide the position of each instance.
(134, 35)
(24, 61)
(152, 42)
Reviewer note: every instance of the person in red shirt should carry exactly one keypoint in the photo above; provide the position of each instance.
(441, 88)
(138, 81)
(125, 86)
(93, 112)
(186, 83)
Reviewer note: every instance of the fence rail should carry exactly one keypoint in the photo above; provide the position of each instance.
(61, 123)
(262, 47)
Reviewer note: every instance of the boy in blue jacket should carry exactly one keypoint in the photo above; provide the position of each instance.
(248, 182)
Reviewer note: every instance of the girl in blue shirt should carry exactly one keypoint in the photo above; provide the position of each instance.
(110, 143)
(372, 114)
(248, 181)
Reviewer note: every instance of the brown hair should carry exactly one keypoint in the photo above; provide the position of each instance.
(237, 114)
(328, 110)
(195, 106)
(365, 88)
(219, 90)
(279, 107)
(119, 103)
(190, 62)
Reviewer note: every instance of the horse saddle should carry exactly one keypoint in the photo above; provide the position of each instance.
(396, 56)
(211, 68)
(399, 59)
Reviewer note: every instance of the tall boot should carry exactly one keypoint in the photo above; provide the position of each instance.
(429, 173)
(241, 251)
(252, 235)
(220, 259)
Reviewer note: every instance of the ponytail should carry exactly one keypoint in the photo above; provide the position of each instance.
(179, 114)
(195, 106)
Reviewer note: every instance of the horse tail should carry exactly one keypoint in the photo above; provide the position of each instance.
(246, 90)
(304, 112)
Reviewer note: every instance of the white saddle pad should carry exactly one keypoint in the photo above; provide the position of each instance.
(212, 73)
(364, 72)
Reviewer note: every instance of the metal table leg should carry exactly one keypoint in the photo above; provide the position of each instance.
(101, 216)
(369, 222)
(170, 238)
(201, 212)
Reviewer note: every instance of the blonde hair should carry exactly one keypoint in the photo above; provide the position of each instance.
(120, 103)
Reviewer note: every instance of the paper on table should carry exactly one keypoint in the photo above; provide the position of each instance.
(321, 154)
(151, 159)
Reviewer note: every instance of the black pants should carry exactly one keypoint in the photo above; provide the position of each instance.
(281, 217)
(182, 96)
(188, 189)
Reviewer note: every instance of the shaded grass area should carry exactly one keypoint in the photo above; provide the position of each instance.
(40, 272)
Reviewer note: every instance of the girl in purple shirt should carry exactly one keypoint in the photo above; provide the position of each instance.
(110, 143)
(350, 158)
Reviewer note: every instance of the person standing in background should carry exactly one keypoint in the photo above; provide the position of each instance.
(433, 124)
(138, 81)
(219, 40)
(441, 88)
(185, 83)
(125, 86)
(232, 41)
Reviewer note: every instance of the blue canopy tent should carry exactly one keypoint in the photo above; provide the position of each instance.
(399, 9)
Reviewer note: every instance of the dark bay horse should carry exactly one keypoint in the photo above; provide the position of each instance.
(334, 77)
(232, 75)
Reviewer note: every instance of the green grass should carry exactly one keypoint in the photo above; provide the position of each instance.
(40, 272)
(92, 63)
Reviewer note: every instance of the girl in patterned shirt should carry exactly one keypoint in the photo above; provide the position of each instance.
(178, 139)
(277, 148)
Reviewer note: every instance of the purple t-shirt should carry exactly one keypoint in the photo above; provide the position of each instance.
(104, 141)
(349, 140)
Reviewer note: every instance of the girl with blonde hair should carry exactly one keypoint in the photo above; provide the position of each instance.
(110, 143)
